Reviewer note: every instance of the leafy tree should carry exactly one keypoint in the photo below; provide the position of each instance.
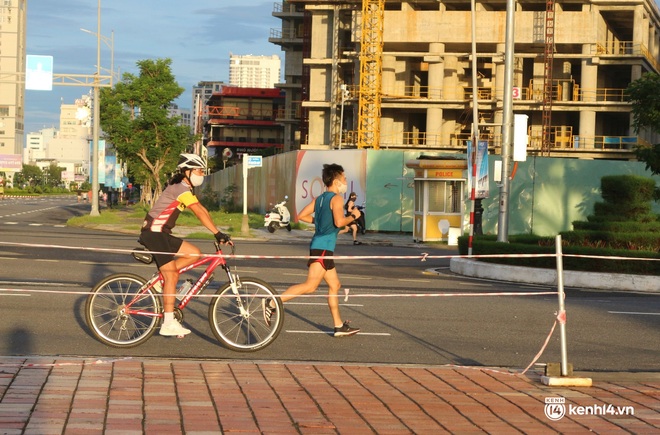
(30, 175)
(644, 94)
(53, 175)
(134, 118)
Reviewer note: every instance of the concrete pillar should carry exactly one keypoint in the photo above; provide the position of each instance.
(587, 128)
(389, 75)
(589, 77)
(640, 27)
(434, 127)
(450, 83)
(436, 70)
(387, 133)
(498, 85)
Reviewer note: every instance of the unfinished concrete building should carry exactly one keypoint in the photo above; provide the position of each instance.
(425, 90)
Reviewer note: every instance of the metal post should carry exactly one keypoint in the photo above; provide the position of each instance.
(96, 114)
(507, 124)
(341, 113)
(562, 308)
(245, 227)
(472, 159)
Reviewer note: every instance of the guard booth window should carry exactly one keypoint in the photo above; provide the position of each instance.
(444, 196)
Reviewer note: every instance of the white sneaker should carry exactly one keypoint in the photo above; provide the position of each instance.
(173, 328)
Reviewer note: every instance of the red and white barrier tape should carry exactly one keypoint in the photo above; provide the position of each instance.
(345, 295)
(422, 256)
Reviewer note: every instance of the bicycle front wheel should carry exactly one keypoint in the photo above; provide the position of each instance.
(119, 313)
(237, 320)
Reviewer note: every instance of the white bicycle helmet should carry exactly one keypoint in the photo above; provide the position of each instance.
(190, 161)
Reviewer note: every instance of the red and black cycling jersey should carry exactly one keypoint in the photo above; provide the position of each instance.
(174, 199)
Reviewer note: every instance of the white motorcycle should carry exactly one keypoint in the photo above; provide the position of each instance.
(278, 217)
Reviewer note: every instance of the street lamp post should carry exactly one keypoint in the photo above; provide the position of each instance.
(110, 43)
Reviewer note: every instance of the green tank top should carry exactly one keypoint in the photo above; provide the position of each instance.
(325, 233)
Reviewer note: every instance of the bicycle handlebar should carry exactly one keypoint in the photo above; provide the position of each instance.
(218, 247)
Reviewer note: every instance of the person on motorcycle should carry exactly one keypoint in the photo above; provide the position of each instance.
(156, 234)
(350, 207)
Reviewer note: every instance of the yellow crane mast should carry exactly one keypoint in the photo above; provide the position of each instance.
(371, 69)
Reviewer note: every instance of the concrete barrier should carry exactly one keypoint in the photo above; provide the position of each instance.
(532, 275)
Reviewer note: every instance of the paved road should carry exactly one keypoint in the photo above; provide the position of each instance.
(606, 331)
(136, 394)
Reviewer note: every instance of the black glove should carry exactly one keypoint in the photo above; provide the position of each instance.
(222, 237)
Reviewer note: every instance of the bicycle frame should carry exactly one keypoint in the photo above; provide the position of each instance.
(213, 262)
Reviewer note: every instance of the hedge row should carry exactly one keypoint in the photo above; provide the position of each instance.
(641, 241)
(622, 227)
(488, 245)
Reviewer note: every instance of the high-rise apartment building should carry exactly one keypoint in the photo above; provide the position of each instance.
(247, 71)
(202, 92)
(13, 16)
(572, 63)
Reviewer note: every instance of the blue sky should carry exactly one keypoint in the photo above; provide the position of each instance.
(198, 36)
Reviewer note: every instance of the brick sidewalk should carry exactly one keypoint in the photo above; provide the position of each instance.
(68, 395)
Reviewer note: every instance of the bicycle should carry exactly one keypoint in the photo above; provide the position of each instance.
(124, 310)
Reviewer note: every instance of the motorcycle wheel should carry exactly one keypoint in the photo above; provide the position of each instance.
(272, 226)
(288, 227)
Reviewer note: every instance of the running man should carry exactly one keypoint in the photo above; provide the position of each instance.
(326, 212)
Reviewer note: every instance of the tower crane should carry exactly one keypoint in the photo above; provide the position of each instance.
(371, 69)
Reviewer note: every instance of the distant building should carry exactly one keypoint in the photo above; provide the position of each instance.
(247, 71)
(71, 143)
(242, 120)
(13, 20)
(36, 144)
(184, 115)
(201, 94)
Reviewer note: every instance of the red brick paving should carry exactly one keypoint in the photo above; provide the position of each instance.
(134, 396)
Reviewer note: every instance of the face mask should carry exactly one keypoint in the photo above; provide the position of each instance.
(196, 180)
(342, 187)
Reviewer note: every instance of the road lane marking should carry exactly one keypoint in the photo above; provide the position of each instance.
(14, 294)
(637, 313)
(412, 280)
(323, 303)
(382, 334)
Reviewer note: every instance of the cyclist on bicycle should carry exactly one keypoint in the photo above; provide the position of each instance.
(157, 235)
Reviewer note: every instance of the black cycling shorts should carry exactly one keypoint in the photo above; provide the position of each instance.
(326, 263)
(161, 242)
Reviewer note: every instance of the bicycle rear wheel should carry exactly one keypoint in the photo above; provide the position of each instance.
(119, 314)
(245, 330)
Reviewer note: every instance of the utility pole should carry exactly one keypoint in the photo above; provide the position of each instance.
(507, 124)
(96, 114)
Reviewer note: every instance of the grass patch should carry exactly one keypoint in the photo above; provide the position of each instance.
(131, 217)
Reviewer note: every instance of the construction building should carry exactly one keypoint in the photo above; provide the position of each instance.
(13, 20)
(573, 61)
(243, 120)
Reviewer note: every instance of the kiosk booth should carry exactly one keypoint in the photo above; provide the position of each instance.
(439, 193)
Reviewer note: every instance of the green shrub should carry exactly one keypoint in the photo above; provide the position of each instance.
(488, 245)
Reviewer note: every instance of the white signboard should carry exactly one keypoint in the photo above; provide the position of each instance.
(39, 73)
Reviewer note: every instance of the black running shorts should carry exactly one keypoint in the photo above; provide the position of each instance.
(161, 242)
(326, 263)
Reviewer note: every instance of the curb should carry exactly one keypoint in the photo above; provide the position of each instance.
(532, 275)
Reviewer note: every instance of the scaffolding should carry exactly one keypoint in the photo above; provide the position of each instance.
(548, 61)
